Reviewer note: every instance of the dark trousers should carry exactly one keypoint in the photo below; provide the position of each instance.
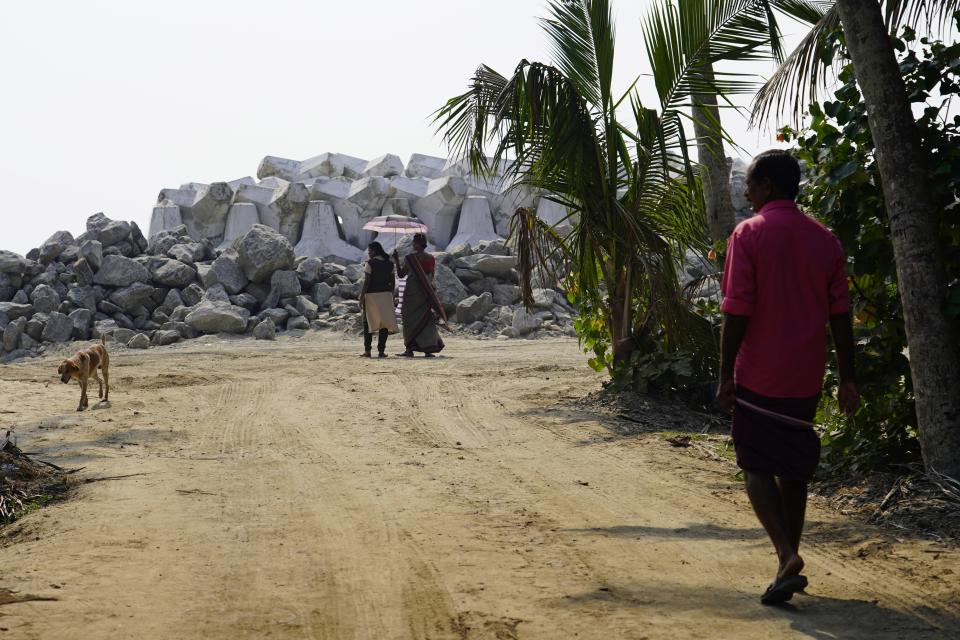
(368, 337)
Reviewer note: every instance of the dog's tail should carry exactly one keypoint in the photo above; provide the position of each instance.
(103, 339)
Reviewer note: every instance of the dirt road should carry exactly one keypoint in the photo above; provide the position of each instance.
(293, 490)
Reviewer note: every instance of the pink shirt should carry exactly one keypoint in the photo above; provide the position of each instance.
(784, 270)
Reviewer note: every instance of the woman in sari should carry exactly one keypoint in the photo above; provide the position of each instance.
(376, 300)
(421, 307)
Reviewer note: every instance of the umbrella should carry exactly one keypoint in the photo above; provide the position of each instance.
(396, 224)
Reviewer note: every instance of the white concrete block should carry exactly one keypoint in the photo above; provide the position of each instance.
(279, 167)
(321, 236)
(421, 166)
(240, 219)
(556, 215)
(203, 208)
(476, 223)
(409, 188)
(165, 217)
(385, 166)
(439, 207)
(235, 184)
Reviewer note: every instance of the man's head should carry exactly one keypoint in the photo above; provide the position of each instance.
(773, 175)
(419, 242)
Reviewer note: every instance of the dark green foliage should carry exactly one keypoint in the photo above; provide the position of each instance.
(844, 191)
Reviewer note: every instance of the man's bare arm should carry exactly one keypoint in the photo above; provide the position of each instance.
(731, 336)
(841, 327)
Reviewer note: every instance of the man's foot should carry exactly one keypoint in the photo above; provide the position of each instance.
(365, 354)
(381, 355)
(782, 589)
(791, 567)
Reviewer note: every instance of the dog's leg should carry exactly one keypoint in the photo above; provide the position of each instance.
(106, 378)
(99, 382)
(83, 395)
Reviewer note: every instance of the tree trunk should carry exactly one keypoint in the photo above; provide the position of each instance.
(934, 346)
(720, 213)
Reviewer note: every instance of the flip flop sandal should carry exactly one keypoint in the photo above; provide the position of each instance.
(381, 355)
(781, 591)
(365, 354)
(429, 355)
(406, 354)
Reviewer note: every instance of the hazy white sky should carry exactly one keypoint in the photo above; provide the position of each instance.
(106, 102)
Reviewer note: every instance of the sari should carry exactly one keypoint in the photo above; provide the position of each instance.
(420, 310)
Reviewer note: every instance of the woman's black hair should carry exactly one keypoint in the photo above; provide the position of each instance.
(377, 249)
(421, 239)
(780, 168)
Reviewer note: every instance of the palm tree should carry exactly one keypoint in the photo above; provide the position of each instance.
(629, 185)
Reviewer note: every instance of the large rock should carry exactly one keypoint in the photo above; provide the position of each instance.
(118, 271)
(556, 215)
(493, 266)
(218, 317)
(133, 296)
(14, 310)
(280, 205)
(265, 330)
(139, 341)
(165, 217)
(421, 166)
(262, 251)
(58, 328)
(474, 308)
(12, 333)
(203, 208)
(273, 166)
(227, 271)
(525, 322)
(506, 294)
(163, 337)
(172, 273)
(283, 284)
(449, 288)
(11, 262)
(385, 166)
(92, 251)
(55, 245)
(81, 320)
(321, 235)
(188, 252)
(45, 299)
(439, 207)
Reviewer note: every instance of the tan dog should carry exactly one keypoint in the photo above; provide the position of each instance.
(83, 365)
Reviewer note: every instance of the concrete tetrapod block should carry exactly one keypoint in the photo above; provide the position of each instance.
(421, 166)
(512, 196)
(202, 208)
(368, 195)
(321, 236)
(165, 217)
(331, 165)
(280, 167)
(439, 207)
(476, 223)
(409, 188)
(235, 184)
(280, 208)
(330, 189)
(240, 219)
(556, 215)
(385, 166)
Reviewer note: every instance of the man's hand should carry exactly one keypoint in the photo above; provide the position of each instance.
(726, 396)
(848, 397)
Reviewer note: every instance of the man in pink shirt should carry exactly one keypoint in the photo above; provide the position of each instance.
(783, 282)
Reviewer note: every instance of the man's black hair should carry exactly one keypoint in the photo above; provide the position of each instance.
(781, 168)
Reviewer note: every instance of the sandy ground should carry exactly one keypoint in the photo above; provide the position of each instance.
(293, 490)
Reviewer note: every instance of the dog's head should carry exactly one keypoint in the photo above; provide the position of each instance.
(66, 370)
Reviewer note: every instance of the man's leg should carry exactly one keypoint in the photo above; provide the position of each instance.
(382, 340)
(367, 336)
(767, 503)
(794, 497)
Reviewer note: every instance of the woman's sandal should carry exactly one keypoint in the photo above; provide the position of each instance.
(406, 354)
(782, 590)
(365, 354)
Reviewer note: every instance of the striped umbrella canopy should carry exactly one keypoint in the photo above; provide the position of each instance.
(396, 224)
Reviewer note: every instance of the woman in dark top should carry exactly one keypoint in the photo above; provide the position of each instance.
(376, 300)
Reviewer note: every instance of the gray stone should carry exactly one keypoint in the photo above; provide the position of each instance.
(525, 322)
(206, 275)
(265, 330)
(506, 294)
(137, 239)
(449, 288)
(11, 262)
(22, 297)
(263, 251)
(321, 293)
(92, 251)
(483, 285)
(228, 272)
(114, 232)
(80, 319)
(12, 333)
(58, 328)
(277, 316)
(27, 343)
(246, 301)
(474, 308)
(83, 272)
(188, 252)
(139, 341)
(131, 297)
(385, 166)
(467, 275)
(493, 266)
(163, 337)
(203, 208)
(55, 245)
(182, 328)
(14, 310)
(45, 299)
(118, 271)
(216, 293)
(192, 295)
(307, 308)
(344, 308)
(298, 324)
(543, 298)
(283, 284)
(349, 291)
(292, 310)
(171, 301)
(123, 335)
(172, 273)
(217, 317)
(104, 328)
(494, 247)
(309, 270)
